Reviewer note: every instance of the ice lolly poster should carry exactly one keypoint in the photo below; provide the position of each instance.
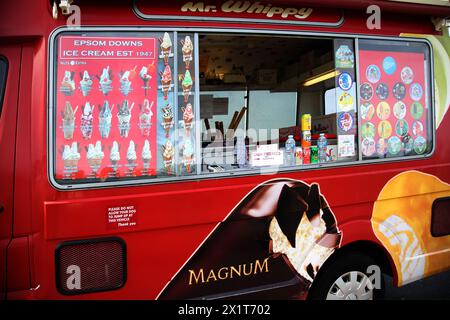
(105, 107)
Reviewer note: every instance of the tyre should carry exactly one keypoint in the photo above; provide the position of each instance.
(348, 277)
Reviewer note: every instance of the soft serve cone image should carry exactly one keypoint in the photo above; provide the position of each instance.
(143, 74)
(85, 83)
(71, 156)
(186, 84)
(188, 116)
(166, 47)
(145, 117)
(282, 231)
(67, 83)
(166, 80)
(95, 156)
(125, 82)
(188, 155)
(124, 116)
(114, 155)
(167, 119)
(131, 155)
(167, 152)
(105, 81)
(146, 155)
(68, 121)
(104, 119)
(87, 121)
(187, 48)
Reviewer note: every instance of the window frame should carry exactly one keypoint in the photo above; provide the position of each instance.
(4, 60)
(51, 104)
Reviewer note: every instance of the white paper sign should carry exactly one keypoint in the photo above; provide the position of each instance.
(266, 155)
(346, 145)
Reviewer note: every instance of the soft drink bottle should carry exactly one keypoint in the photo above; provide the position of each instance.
(322, 146)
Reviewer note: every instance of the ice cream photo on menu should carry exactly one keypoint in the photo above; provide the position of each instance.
(166, 81)
(106, 81)
(187, 48)
(143, 74)
(68, 121)
(104, 119)
(188, 116)
(186, 84)
(124, 116)
(87, 120)
(166, 48)
(114, 155)
(67, 83)
(125, 82)
(145, 117)
(188, 155)
(167, 119)
(167, 152)
(131, 156)
(146, 155)
(95, 156)
(85, 83)
(71, 156)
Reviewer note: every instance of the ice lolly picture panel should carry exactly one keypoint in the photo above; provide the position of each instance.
(394, 100)
(105, 95)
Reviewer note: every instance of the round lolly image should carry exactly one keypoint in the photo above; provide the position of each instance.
(416, 91)
(399, 91)
(383, 110)
(366, 91)
(345, 101)
(367, 111)
(408, 143)
(389, 65)
(381, 146)
(420, 145)
(416, 110)
(384, 129)
(345, 121)
(373, 73)
(394, 145)
(399, 109)
(368, 146)
(401, 127)
(417, 128)
(407, 75)
(382, 91)
(368, 130)
(345, 81)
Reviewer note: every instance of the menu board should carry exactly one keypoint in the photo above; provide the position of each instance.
(393, 105)
(106, 100)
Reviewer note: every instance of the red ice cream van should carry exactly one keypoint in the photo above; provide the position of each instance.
(222, 149)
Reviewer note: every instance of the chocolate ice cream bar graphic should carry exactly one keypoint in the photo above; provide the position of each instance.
(281, 232)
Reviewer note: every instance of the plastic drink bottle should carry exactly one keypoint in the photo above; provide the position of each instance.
(290, 151)
(322, 146)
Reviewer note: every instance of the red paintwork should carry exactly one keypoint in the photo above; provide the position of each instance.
(173, 218)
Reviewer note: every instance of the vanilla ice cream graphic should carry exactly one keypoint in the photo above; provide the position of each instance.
(187, 48)
(67, 83)
(188, 155)
(105, 81)
(104, 119)
(131, 154)
(86, 83)
(114, 155)
(125, 83)
(68, 121)
(167, 153)
(71, 156)
(87, 121)
(146, 155)
(166, 47)
(95, 156)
